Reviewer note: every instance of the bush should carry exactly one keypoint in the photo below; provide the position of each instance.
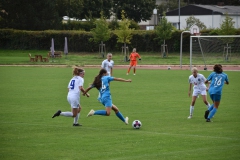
(78, 41)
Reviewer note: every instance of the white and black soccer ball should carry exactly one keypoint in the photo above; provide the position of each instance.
(136, 124)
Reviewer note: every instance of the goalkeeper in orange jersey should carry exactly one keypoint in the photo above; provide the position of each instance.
(133, 61)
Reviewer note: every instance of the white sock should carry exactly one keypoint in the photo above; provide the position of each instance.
(208, 105)
(75, 120)
(66, 114)
(191, 110)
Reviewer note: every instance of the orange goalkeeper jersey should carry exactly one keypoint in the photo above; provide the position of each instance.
(133, 56)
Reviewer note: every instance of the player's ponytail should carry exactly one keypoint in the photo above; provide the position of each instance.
(77, 70)
(97, 80)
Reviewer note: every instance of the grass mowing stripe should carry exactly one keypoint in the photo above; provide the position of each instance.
(223, 147)
(137, 132)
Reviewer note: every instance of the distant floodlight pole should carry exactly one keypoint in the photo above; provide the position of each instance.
(179, 14)
(181, 48)
(154, 16)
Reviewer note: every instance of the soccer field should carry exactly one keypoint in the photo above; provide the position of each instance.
(29, 96)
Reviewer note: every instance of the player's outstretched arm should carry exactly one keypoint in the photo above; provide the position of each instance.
(122, 80)
(206, 82)
(85, 92)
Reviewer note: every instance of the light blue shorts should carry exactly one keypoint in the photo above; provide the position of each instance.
(107, 101)
(215, 97)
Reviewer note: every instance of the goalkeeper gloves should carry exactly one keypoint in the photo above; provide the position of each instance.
(140, 59)
(128, 59)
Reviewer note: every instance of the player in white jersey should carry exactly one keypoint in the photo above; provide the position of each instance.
(197, 80)
(75, 86)
(108, 64)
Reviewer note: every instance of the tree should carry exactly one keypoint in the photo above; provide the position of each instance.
(29, 15)
(169, 5)
(93, 8)
(227, 28)
(192, 20)
(124, 33)
(101, 32)
(140, 10)
(164, 31)
(70, 8)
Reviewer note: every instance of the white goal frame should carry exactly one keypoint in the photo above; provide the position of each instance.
(199, 36)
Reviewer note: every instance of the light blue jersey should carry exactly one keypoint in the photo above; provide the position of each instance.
(217, 82)
(105, 90)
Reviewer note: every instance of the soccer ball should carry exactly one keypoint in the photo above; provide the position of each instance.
(136, 124)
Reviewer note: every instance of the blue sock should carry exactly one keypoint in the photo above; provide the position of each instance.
(120, 116)
(211, 107)
(212, 113)
(100, 112)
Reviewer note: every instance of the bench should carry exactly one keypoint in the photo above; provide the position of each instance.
(57, 54)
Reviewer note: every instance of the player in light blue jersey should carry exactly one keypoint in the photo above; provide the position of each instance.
(217, 78)
(101, 82)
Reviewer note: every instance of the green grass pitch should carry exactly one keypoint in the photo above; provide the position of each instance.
(158, 98)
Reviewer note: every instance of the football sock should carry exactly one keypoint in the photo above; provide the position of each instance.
(120, 116)
(208, 105)
(66, 114)
(212, 113)
(191, 110)
(100, 112)
(75, 121)
(211, 107)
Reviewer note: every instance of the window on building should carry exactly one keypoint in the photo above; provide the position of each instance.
(175, 24)
(149, 27)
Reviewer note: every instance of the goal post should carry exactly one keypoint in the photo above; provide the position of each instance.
(209, 50)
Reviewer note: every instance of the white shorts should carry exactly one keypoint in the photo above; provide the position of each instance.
(196, 92)
(73, 101)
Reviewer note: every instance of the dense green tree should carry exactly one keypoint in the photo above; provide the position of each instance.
(71, 8)
(140, 10)
(193, 20)
(169, 5)
(29, 15)
(92, 8)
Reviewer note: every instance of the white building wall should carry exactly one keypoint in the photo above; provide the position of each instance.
(210, 21)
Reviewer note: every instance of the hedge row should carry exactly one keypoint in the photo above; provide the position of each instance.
(78, 41)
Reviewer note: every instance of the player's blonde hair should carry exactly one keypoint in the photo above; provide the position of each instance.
(194, 69)
(134, 49)
(109, 54)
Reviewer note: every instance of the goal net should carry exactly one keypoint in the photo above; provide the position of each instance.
(210, 50)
